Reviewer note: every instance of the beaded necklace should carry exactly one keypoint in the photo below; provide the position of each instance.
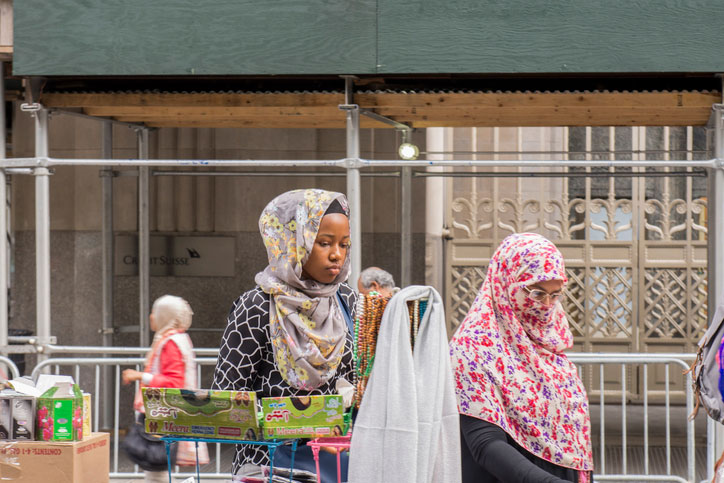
(367, 327)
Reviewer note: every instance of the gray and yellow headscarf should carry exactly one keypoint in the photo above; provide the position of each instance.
(308, 329)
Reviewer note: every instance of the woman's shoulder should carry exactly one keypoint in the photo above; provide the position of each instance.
(251, 302)
(349, 295)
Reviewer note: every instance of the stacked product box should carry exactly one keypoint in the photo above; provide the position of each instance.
(17, 416)
(303, 417)
(234, 415)
(201, 413)
(60, 413)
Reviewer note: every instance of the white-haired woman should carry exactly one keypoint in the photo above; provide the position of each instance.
(169, 363)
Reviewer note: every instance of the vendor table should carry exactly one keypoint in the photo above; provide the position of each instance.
(272, 446)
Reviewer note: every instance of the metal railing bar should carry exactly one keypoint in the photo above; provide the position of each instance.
(690, 434)
(116, 416)
(603, 420)
(136, 387)
(69, 349)
(628, 478)
(668, 423)
(646, 419)
(560, 174)
(95, 416)
(218, 457)
(306, 174)
(34, 162)
(206, 476)
(624, 436)
(572, 153)
(14, 371)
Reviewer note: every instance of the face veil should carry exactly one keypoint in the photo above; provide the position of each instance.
(508, 361)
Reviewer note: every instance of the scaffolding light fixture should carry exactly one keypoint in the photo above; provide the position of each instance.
(408, 151)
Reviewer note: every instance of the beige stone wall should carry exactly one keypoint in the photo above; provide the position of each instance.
(181, 205)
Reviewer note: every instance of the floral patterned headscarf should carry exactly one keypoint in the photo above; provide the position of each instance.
(508, 360)
(308, 330)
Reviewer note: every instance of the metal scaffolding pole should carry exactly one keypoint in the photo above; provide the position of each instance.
(438, 138)
(359, 163)
(144, 252)
(715, 281)
(107, 235)
(406, 227)
(716, 215)
(107, 266)
(4, 262)
(42, 232)
(353, 184)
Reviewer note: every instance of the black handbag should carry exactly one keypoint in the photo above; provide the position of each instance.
(146, 450)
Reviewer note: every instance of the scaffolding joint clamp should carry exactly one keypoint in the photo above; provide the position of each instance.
(42, 168)
(354, 163)
(349, 107)
(30, 106)
(719, 163)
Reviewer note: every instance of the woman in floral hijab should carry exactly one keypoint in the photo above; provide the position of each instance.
(288, 336)
(524, 411)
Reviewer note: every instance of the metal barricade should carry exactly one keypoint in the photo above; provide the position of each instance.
(81, 366)
(680, 362)
(7, 362)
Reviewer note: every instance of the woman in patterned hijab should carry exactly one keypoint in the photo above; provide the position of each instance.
(307, 327)
(524, 410)
(288, 335)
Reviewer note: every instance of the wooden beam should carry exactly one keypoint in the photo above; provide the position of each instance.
(204, 99)
(471, 116)
(541, 99)
(372, 100)
(214, 111)
(419, 110)
(258, 123)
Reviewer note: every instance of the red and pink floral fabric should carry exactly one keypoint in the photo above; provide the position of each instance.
(508, 360)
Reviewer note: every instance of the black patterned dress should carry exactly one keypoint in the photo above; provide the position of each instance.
(246, 361)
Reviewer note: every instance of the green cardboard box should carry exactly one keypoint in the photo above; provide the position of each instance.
(60, 413)
(201, 413)
(303, 417)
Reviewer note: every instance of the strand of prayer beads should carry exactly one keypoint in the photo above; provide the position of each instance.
(416, 321)
(416, 309)
(355, 342)
(366, 331)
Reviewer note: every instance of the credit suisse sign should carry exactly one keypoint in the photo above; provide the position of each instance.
(178, 256)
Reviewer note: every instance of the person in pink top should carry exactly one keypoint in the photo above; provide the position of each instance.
(169, 363)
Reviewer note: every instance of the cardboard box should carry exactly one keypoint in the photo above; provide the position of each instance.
(303, 417)
(22, 417)
(5, 417)
(60, 413)
(17, 415)
(86, 414)
(201, 413)
(57, 461)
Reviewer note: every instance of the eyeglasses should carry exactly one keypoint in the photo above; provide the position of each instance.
(542, 295)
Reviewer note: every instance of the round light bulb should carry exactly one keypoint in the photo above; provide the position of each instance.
(408, 151)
